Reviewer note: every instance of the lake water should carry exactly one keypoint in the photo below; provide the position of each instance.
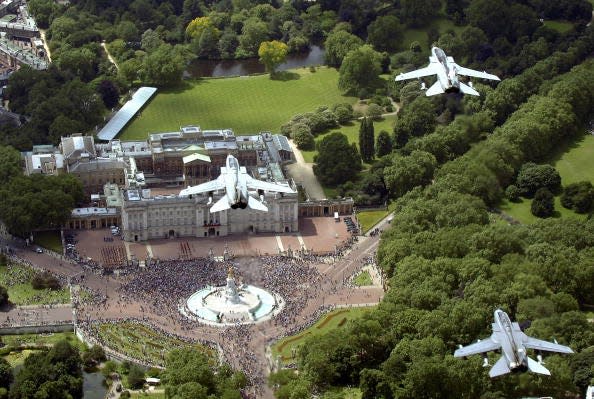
(218, 68)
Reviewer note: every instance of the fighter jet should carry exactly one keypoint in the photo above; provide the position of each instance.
(447, 72)
(236, 182)
(513, 343)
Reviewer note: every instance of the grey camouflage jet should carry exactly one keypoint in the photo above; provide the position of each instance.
(236, 182)
(447, 72)
(513, 344)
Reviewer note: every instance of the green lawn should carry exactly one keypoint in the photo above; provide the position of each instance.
(50, 240)
(42, 339)
(363, 279)
(521, 211)
(247, 105)
(352, 132)
(575, 162)
(368, 219)
(342, 392)
(17, 279)
(17, 358)
(142, 342)
(335, 319)
(559, 26)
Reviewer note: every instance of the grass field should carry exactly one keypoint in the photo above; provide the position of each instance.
(335, 319)
(363, 279)
(50, 240)
(368, 219)
(575, 162)
(142, 342)
(352, 132)
(42, 339)
(247, 105)
(559, 26)
(17, 279)
(521, 211)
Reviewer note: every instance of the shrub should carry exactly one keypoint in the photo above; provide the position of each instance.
(45, 280)
(543, 204)
(512, 193)
(374, 111)
(304, 140)
(578, 196)
(343, 114)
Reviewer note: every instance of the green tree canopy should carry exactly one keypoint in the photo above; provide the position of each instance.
(360, 69)
(338, 45)
(272, 54)
(337, 161)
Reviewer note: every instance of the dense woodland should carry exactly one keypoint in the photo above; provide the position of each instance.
(451, 261)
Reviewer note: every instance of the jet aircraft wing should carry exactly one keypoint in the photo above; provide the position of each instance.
(213, 185)
(255, 184)
(537, 344)
(474, 74)
(429, 70)
(483, 346)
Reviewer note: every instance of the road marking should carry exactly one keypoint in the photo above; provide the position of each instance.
(127, 246)
(149, 249)
(301, 242)
(279, 243)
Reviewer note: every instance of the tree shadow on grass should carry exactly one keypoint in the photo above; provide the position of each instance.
(285, 76)
(180, 87)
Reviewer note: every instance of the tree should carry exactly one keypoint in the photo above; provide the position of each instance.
(407, 172)
(366, 140)
(136, 376)
(343, 112)
(150, 40)
(543, 204)
(532, 177)
(164, 67)
(385, 33)
(253, 33)
(417, 13)
(3, 297)
(416, 119)
(360, 69)
(109, 92)
(383, 145)
(10, 164)
(272, 54)
(374, 111)
(338, 45)
(578, 196)
(337, 161)
(197, 26)
(301, 134)
(6, 376)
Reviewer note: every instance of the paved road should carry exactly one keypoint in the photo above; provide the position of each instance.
(302, 173)
(331, 291)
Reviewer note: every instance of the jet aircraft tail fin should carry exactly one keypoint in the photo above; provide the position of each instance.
(536, 367)
(257, 205)
(500, 368)
(434, 89)
(464, 88)
(220, 205)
